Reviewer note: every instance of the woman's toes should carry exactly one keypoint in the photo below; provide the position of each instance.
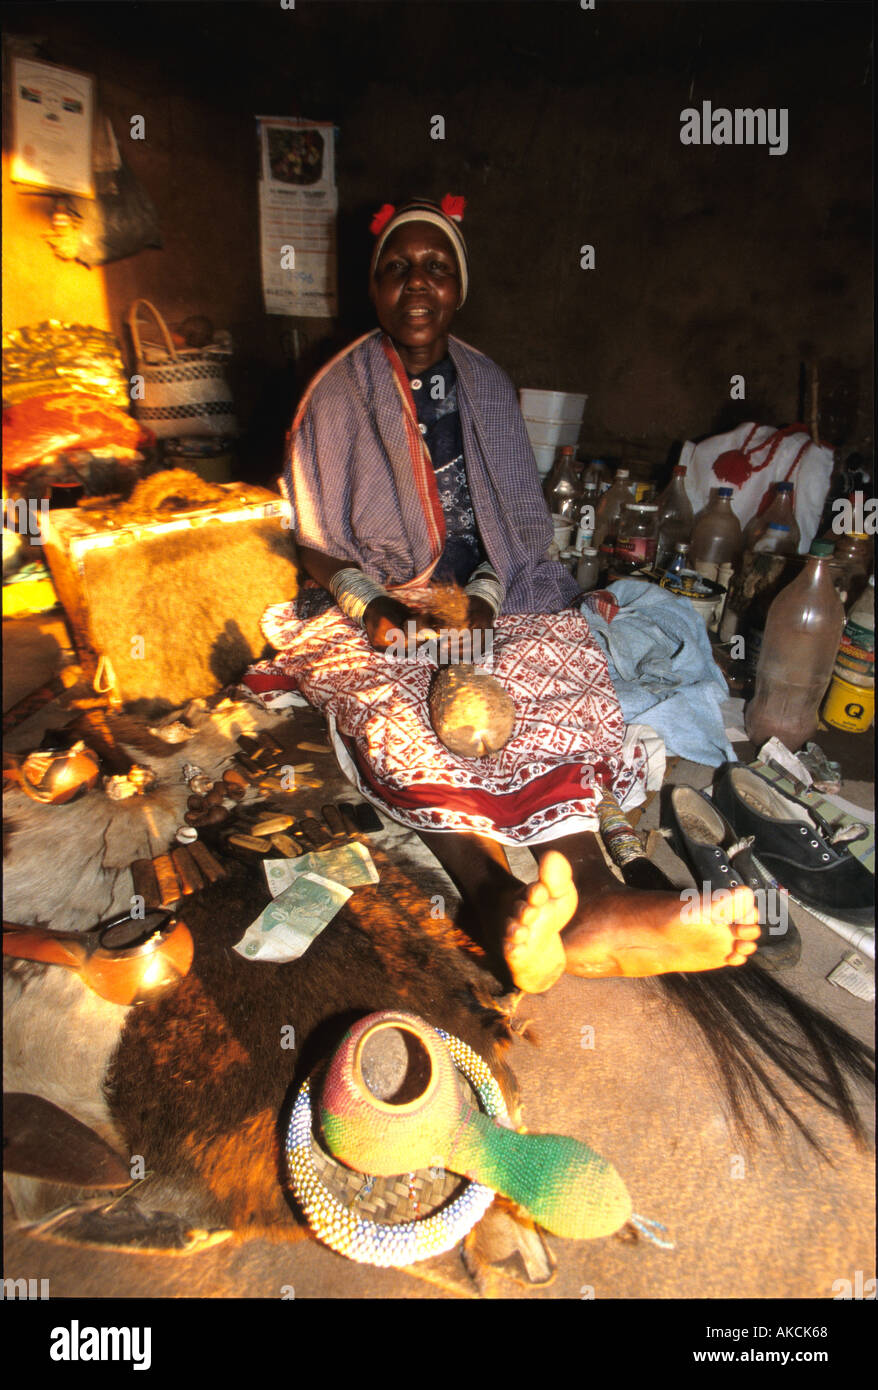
(555, 873)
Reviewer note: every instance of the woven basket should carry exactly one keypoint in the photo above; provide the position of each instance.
(185, 391)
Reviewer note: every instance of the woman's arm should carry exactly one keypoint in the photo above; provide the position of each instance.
(384, 616)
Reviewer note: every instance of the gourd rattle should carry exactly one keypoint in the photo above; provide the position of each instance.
(391, 1103)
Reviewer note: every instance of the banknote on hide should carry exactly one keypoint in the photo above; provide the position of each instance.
(351, 865)
(286, 927)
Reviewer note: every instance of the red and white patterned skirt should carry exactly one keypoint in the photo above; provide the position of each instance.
(569, 739)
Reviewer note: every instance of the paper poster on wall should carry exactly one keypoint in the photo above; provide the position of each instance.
(52, 116)
(298, 203)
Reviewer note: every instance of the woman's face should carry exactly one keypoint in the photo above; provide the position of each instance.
(415, 291)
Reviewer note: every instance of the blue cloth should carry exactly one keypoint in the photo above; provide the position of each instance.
(661, 664)
(435, 397)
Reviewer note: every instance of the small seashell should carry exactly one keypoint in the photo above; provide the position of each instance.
(177, 732)
(186, 834)
(200, 784)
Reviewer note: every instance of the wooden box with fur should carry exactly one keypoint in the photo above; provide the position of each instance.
(164, 594)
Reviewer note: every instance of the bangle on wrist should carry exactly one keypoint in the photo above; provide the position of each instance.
(353, 592)
(485, 584)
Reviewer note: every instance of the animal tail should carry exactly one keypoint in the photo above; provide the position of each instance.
(746, 1017)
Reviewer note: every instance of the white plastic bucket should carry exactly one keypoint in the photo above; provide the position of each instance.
(553, 405)
(552, 432)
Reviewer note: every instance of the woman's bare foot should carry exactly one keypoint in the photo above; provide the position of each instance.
(532, 946)
(635, 933)
(622, 931)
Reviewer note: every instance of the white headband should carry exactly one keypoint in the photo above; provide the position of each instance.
(436, 219)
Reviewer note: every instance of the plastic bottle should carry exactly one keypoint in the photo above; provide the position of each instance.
(676, 517)
(851, 563)
(588, 509)
(562, 489)
(850, 699)
(677, 564)
(802, 634)
(716, 535)
(780, 512)
(608, 513)
(855, 661)
(636, 538)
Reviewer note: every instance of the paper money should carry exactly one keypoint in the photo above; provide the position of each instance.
(288, 925)
(351, 865)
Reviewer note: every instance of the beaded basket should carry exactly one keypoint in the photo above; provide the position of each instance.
(389, 1221)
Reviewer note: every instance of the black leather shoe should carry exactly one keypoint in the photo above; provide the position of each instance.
(789, 845)
(704, 840)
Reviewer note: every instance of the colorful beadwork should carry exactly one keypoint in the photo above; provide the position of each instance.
(375, 1242)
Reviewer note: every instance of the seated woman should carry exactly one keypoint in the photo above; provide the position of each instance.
(409, 464)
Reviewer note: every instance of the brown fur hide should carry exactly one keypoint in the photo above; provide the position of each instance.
(201, 1084)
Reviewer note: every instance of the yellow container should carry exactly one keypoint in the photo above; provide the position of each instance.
(849, 707)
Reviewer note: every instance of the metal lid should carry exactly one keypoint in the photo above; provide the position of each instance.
(642, 506)
(822, 549)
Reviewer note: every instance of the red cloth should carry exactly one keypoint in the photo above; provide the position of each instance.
(35, 431)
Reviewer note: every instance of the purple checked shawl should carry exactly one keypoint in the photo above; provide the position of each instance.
(362, 488)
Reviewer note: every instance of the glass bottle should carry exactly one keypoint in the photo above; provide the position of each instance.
(587, 569)
(802, 634)
(716, 535)
(562, 489)
(780, 512)
(675, 517)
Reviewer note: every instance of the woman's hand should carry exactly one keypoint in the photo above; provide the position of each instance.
(385, 618)
(480, 617)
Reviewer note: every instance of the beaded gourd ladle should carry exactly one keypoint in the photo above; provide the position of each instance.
(391, 1103)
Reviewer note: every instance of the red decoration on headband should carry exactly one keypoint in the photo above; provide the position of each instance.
(453, 206)
(381, 219)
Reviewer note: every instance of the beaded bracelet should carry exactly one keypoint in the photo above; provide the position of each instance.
(353, 592)
(485, 584)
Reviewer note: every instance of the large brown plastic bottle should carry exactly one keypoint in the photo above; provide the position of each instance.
(802, 633)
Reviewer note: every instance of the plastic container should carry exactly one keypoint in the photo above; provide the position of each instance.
(802, 634)
(543, 433)
(849, 707)
(545, 457)
(563, 531)
(776, 539)
(553, 405)
(781, 511)
(716, 535)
